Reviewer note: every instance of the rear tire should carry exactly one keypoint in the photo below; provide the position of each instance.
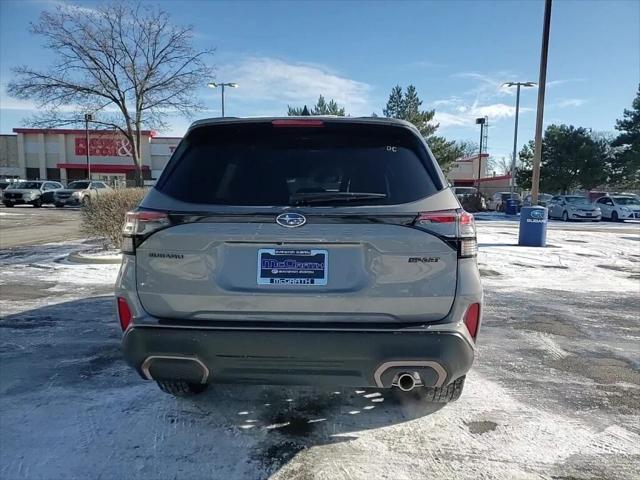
(565, 216)
(9, 205)
(37, 203)
(180, 388)
(445, 394)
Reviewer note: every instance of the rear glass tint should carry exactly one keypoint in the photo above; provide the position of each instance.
(262, 165)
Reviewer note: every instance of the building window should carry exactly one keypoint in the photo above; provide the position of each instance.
(53, 174)
(33, 174)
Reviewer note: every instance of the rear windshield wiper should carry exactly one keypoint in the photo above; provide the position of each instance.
(330, 197)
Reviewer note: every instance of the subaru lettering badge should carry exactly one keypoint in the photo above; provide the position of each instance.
(539, 213)
(291, 220)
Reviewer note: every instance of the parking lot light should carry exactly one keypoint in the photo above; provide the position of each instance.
(515, 133)
(222, 85)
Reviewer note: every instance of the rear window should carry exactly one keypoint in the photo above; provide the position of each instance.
(263, 165)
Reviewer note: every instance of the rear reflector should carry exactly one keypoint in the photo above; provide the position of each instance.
(298, 123)
(472, 319)
(124, 313)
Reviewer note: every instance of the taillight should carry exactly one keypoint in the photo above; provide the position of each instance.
(472, 319)
(456, 225)
(124, 313)
(140, 224)
(298, 123)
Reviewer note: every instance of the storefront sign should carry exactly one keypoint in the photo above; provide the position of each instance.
(104, 147)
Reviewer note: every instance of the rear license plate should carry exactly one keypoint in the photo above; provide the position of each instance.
(292, 267)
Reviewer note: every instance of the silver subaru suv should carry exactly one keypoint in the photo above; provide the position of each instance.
(301, 250)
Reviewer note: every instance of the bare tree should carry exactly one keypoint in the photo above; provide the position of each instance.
(128, 65)
(502, 165)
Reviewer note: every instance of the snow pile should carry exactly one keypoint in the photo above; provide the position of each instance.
(574, 260)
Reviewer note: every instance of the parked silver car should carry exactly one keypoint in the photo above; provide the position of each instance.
(30, 192)
(573, 207)
(80, 192)
(619, 207)
(301, 251)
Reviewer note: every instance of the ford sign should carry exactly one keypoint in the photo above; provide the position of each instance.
(291, 220)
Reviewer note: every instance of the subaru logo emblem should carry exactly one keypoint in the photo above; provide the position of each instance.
(537, 213)
(291, 220)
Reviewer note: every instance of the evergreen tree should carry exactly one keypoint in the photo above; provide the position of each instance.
(395, 104)
(626, 162)
(320, 108)
(407, 106)
(571, 159)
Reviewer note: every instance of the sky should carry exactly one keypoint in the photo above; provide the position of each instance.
(456, 53)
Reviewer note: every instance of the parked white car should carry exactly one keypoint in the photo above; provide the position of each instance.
(80, 192)
(573, 207)
(30, 192)
(619, 207)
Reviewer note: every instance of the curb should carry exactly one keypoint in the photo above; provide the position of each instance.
(79, 257)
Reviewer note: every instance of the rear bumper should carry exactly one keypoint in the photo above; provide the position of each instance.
(437, 355)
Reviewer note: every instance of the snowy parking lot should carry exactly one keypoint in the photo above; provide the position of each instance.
(554, 393)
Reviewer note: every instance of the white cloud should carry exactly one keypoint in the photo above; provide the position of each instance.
(555, 83)
(461, 113)
(270, 80)
(570, 102)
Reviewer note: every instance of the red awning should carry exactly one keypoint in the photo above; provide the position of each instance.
(101, 167)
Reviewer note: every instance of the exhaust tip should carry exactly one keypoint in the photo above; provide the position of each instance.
(406, 382)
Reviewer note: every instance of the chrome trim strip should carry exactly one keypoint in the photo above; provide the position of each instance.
(147, 364)
(439, 369)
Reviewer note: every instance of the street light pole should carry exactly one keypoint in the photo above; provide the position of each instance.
(515, 133)
(537, 154)
(87, 119)
(222, 85)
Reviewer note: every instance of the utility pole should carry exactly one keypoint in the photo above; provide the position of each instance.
(87, 119)
(537, 154)
(480, 121)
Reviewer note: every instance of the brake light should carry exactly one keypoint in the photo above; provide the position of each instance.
(472, 319)
(298, 123)
(124, 313)
(140, 224)
(457, 225)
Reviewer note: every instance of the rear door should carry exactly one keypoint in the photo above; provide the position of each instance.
(298, 223)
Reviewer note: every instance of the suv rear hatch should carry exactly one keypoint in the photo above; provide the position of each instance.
(298, 220)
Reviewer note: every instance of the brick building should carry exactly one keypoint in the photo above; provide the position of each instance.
(61, 154)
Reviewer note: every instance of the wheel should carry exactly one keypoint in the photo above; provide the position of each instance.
(565, 216)
(500, 208)
(59, 205)
(85, 201)
(614, 216)
(37, 203)
(448, 393)
(180, 388)
(9, 205)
